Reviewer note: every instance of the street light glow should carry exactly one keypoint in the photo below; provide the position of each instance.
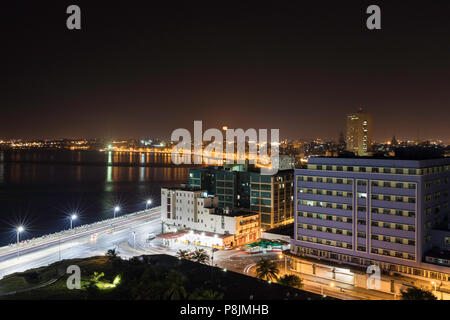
(20, 229)
(116, 208)
(73, 217)
(149, 201)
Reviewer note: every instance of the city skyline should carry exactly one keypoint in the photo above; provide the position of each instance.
(147, 70)
(222, 158)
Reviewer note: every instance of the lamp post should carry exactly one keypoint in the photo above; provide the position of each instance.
(435, 285)
(147, 204)
(116, 209)
(18, 231)
(72, 217)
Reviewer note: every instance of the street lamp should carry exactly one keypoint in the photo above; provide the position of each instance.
(435, 285)
(116, 209)
(147, 204)
(72, 217)
(18, 231)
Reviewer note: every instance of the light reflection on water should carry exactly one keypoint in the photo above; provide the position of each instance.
(45, 186)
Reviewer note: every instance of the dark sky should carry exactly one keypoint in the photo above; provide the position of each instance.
(145, 68)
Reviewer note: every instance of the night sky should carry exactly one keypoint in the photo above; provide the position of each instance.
(143, 69)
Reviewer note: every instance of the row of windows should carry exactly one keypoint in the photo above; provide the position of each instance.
(186, 194)
(224, 184)
(393, 184)
(325, 192)
(262, 194)
(324, 180)
(322, 204)
(261, 178)
(224, 191)
(325, 217)
(408, 171)
(343, 232)
(393, 198)
(396, 226)
(365, 169)
(392, 253)
(259, 201)
(338, 244)
(388, 238)
(261, 209)
(437, 182)
(398, 240)
(437, 196)
(264, 187)
(394, 212)
(436, 209)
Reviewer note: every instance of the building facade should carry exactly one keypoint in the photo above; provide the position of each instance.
(272, 197)
(269, 196)
(365, 211)
(197, 212)
(359, 133)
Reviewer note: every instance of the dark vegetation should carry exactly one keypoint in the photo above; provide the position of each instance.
(157, 277)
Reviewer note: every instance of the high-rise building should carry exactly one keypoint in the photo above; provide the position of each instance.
(271, 196)
(367, 211)
(359, 133)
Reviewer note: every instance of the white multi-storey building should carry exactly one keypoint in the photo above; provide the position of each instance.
(195, 217)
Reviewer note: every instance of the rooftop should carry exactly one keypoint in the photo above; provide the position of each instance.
(394, 162)
(236, 212)
(184, 187)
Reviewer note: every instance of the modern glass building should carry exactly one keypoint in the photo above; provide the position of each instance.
(272, 197)
(241, 187)
(364, 211)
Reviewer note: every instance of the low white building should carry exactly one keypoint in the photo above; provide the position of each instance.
(186, 209)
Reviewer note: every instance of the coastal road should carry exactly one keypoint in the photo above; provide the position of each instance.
(93, 241)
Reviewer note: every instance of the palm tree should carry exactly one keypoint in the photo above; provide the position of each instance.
(175, 286)
(184, 254)
(290, 280)
(112, 253)
(96, 276)
(200, 256)
(417, 294)
(206, 294)
(267, 270)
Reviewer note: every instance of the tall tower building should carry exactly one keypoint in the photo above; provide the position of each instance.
(359, 132)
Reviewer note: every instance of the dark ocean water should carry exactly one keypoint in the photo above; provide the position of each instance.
(40, 189)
